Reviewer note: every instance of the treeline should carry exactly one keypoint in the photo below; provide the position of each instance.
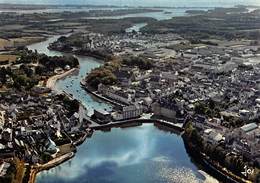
(32, 67)
(219, 24)
(104, 74)
(103, 54)
(216, 153)
(71, 106)
(51, 63)
(114, 26)
(141, 62)
(17, 78)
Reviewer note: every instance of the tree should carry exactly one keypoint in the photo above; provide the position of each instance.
(3, 73)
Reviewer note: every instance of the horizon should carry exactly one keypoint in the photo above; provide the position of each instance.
(136, 3)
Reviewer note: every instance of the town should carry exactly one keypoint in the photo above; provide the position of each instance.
(36, 124)
(209, 88)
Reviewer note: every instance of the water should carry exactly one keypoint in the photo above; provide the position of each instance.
(56, 10)
(142, 154)
(134, 155)
(175, 12)
(71, 84)
(156, 15)
(136, 27)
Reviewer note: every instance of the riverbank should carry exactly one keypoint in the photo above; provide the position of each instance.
(52, 80)
(55, 162)
(135, 122)
(129, 123)
(92, 92)
(212, 167)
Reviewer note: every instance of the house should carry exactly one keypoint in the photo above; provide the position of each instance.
(115, 93)
(124, 76)
(164, 111)
(7, 135)
(2, 118)
(3, 168)
(199, 121)
(212, 137)
(102, 116)
(128, 112)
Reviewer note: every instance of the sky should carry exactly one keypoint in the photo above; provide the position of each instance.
(176, 3)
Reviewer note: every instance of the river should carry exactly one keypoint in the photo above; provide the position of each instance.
(166, 13)
(134, 155)
(142, 154)
(72, 83)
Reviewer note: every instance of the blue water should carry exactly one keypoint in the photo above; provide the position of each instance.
(134, 155)
(167, 3)
(71, 84)
(155, 15)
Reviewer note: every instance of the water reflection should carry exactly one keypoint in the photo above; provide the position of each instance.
(142, 154)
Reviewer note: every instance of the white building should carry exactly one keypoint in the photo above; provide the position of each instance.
(128, 112)
(2, 118)
(212, 137)
(115, 94)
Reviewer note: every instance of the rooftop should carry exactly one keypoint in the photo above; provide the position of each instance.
(249, 127)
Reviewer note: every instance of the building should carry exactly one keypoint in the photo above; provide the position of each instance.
(169, 107)
(102, 116)
(124, 76)
(2, 118)
(212, 137)
(246, 141)
(7, 135)
(128, 112)
(248, 129)
(3, 168)
(115, 94)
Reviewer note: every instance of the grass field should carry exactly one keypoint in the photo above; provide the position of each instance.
(10, 58)
(22, 41)
(4, 43)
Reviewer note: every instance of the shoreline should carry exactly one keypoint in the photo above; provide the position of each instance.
(53, 79)
(100, 97)
(35, 169)
(51, 84)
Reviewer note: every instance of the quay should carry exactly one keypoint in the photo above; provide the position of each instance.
(134, 122)
(55, 162)
(100, 96)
